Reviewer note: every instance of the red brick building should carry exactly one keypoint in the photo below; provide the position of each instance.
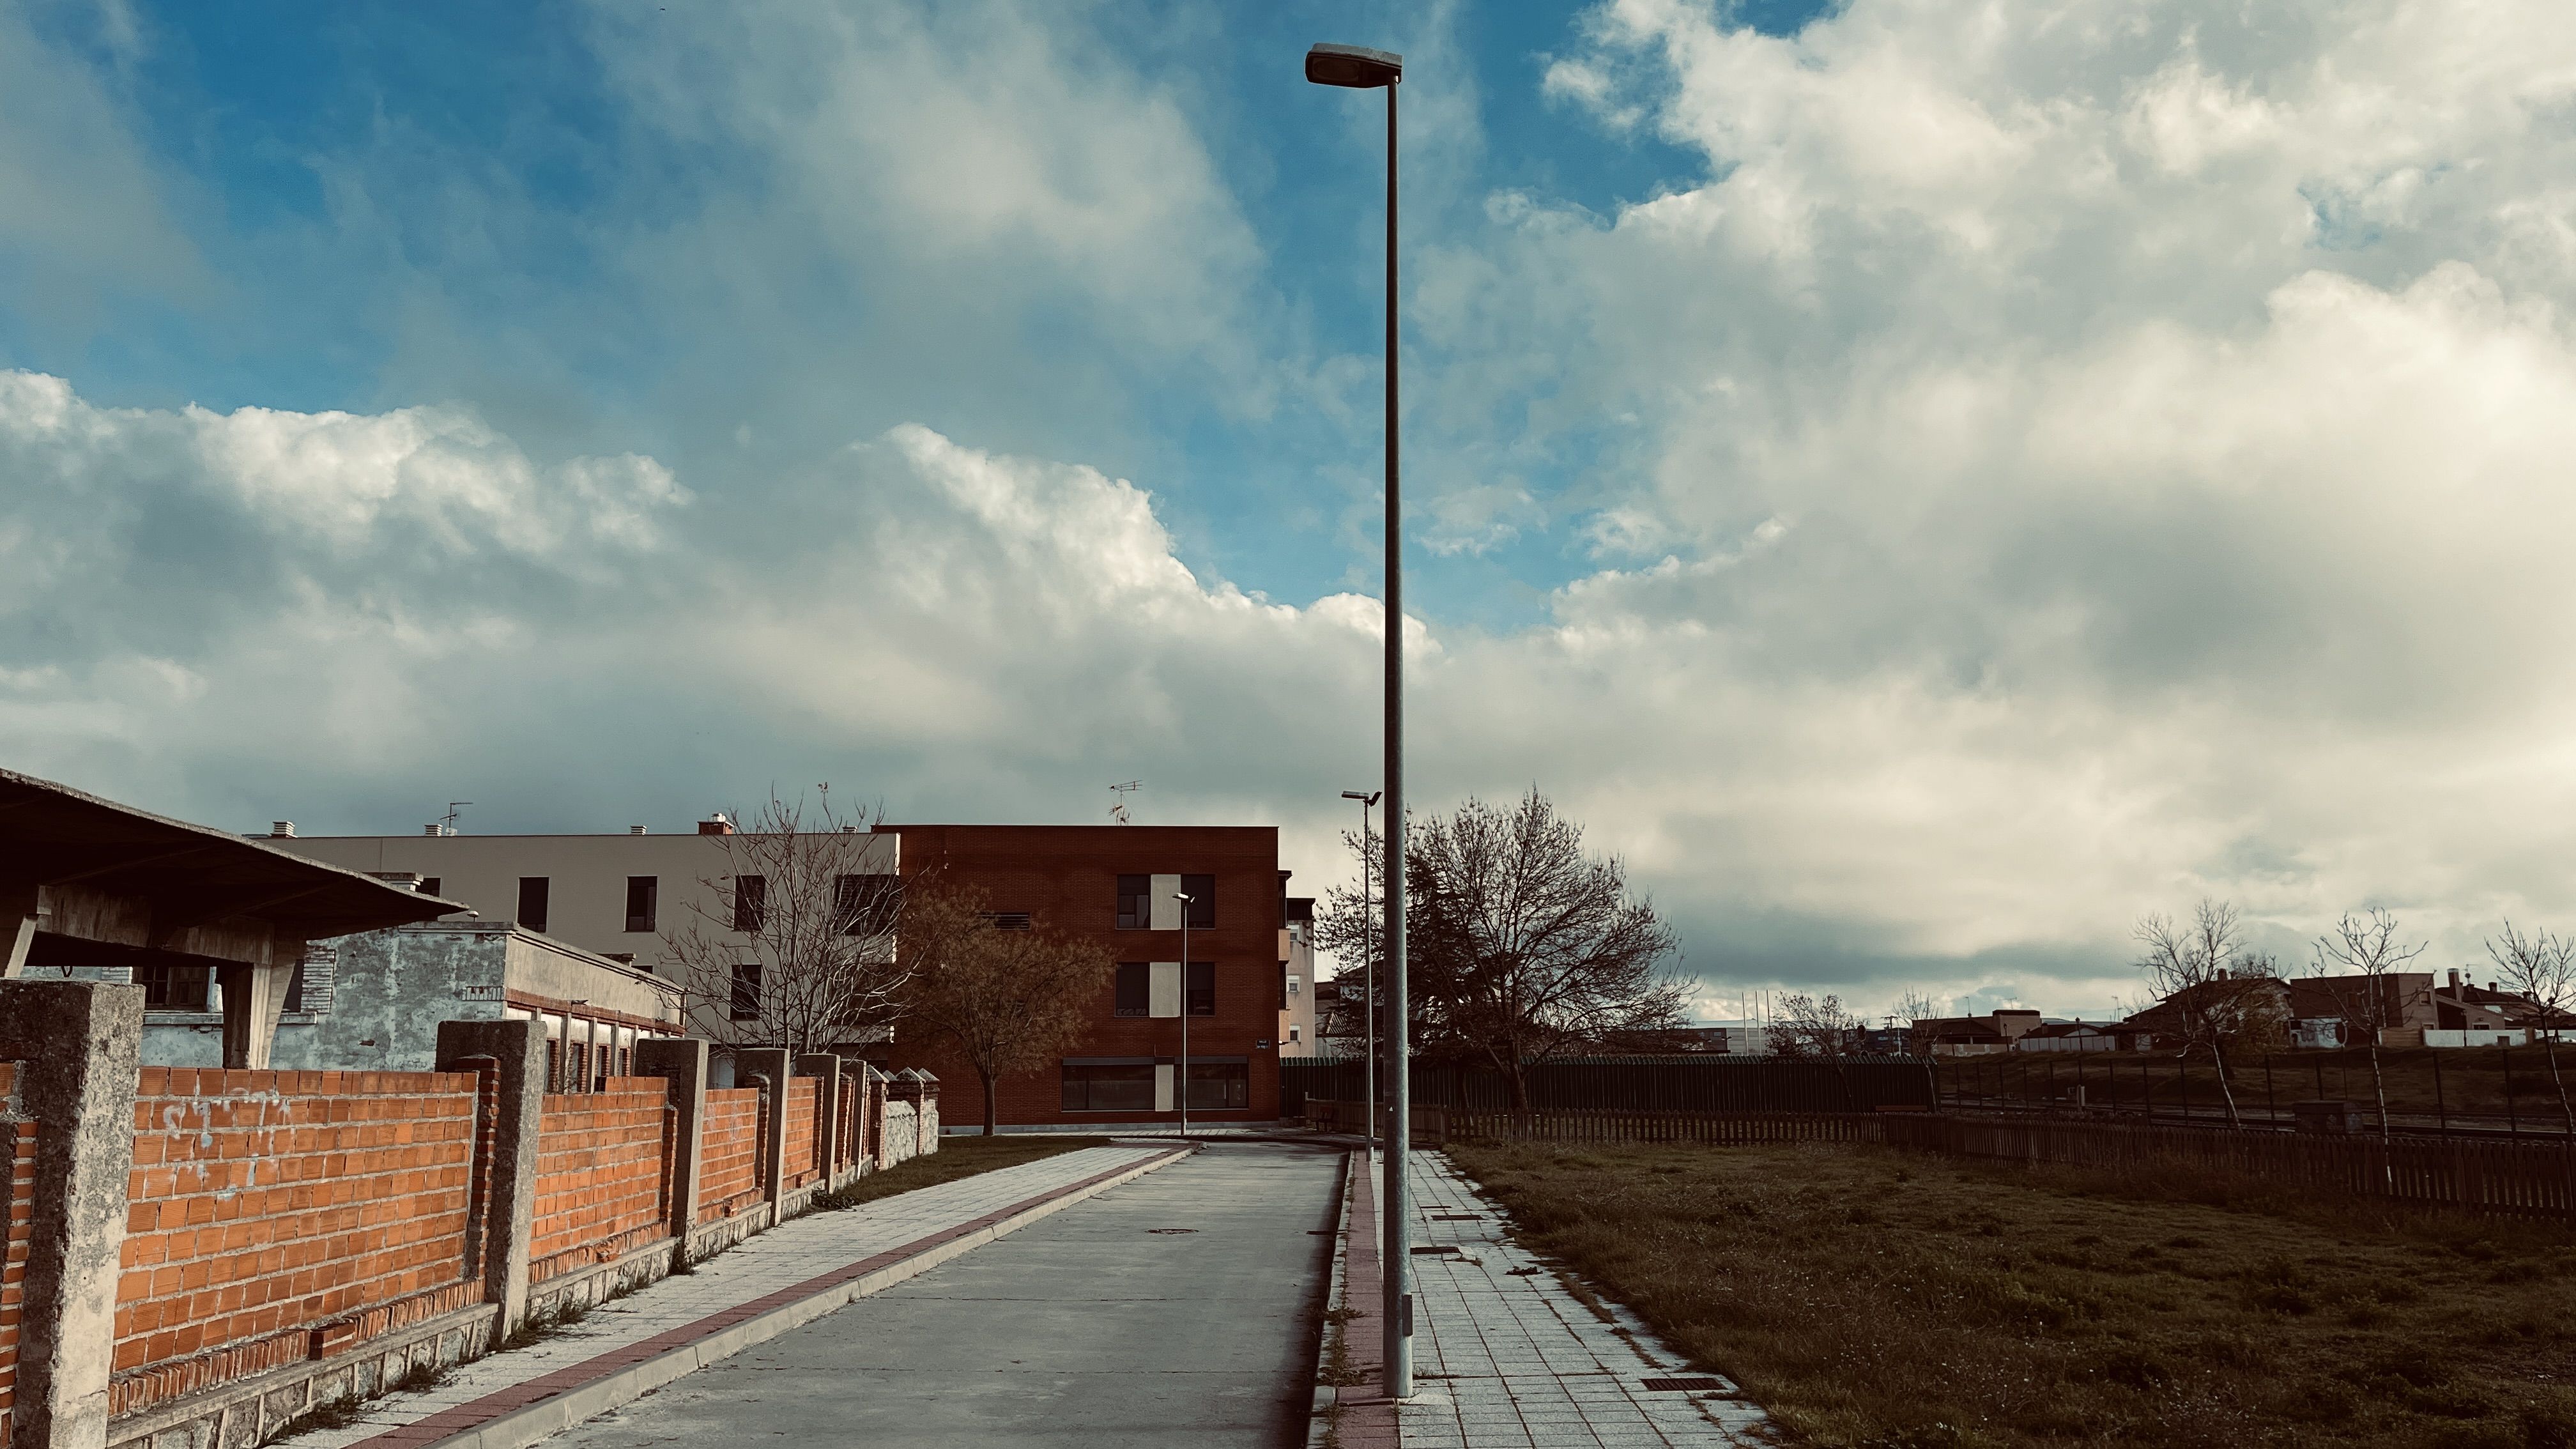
(1114, 884)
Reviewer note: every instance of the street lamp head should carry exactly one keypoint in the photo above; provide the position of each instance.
(1368, 799)
(1355, 66)
(1183, 896)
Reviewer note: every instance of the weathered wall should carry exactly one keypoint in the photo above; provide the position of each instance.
(729, 1179)
(266, 1206)
(603, 1169)
(901, 1138)
(390, 990)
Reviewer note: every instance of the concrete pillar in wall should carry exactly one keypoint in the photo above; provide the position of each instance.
(825, 1069)
(254, 997)
(510, 1196)
(683, 1062)
(18, 907)
(770, 1064)
(78, 1046)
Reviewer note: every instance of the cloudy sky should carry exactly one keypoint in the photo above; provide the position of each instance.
(1925, 481)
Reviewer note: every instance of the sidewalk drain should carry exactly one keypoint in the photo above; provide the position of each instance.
(1668, 1386)
(1171, 1230)
(1457, 1217)
(1438, 1248)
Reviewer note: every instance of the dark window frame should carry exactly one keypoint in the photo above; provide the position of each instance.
(646, 890)
(1106, 1084)
(1198, 983)
(745, 1003)
(1135, 902)
(1134, 981)
(1201, 910)
(1231, 1079)
(866, 904)
(750, 903)
(543, 894)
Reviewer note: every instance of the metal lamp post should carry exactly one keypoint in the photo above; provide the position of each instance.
(1368, 982)
(1182, 1096)
(1359, 68)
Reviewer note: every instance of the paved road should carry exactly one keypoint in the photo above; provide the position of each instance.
(1086, 1328)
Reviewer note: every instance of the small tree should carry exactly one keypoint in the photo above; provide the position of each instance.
(2224, 998)
(1520, 946)
(1807, 1027)
(2541, 969)
(2367, 954)
(792, 943)
(1008, 1001)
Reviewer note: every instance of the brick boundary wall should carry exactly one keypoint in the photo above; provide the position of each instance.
(603, 1169)
(804, 1114)
(272, 1216)
(731, 1153)
(204, 1257)
(22, 1215)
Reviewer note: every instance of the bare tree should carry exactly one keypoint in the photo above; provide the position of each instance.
(2368, 955)
(2541, 969)
(1007, 1000)
(1807, 1027)
(792, 943)
(1916, 1006)
(1523, 946)
(2223, 998)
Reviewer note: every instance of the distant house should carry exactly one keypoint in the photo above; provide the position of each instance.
(2417, 1010)
(2082, 1036)
(1970, 1036)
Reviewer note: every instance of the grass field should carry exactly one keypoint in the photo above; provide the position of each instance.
(957, 1157)
(1871, 1298)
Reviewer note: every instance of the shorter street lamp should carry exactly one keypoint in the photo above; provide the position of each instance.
(1368, 977)
(1184, 1094)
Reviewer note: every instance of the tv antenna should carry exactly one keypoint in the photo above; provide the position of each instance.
(447, 822)
(1118, 800)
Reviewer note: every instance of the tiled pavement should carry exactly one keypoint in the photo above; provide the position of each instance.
(818, 1254)
(1505, 1355)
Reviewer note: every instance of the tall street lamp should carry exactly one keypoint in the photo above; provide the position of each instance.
(1362, 69)
(1184, 1095)
(1368, 980)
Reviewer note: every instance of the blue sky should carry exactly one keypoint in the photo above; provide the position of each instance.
(1926, 484)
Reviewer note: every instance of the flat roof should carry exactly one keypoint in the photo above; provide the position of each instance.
(54, 835)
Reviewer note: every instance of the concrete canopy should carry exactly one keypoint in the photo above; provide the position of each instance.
(89, 882)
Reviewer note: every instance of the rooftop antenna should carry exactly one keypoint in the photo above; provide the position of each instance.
(447, 822)
(1118, 801)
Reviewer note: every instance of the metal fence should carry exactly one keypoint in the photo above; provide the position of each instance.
(2526, 1178)
(1635, 1084)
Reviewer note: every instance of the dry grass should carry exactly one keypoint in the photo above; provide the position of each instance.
(957, 1157)
(1871, 1298)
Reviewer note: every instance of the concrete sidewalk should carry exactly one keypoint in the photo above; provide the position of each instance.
(769, 1284)
(1177, 1311)
(1505, 1355)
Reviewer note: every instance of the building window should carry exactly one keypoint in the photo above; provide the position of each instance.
(746, 989)
(1201, 889)
(295, 986)
(1010, 920)
(173, 987)
(1220, 1084)
(533, 890)
(865, 905)
(429, 885)
(1109, 1084)
(1135, 904)
(641, 898)
(750, 902)
(1202, 988)
(1293, 983)
(1295, 1035)
(1135, 988)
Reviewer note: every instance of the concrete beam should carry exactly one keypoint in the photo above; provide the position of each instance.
(769, 1065)
(78, 1046)
(518, 1045)
(682, 1062)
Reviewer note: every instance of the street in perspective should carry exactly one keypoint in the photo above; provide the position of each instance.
(1651, 724)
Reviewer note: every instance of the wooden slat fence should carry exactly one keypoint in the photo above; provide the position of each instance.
(2520, 1178)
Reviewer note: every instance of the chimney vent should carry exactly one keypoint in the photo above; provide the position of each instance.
(281, 830)
(637, 830)
(433, 828)
(717, 826)
(2455, 978)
